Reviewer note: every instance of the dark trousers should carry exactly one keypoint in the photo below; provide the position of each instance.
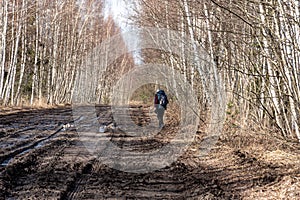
(160, 116)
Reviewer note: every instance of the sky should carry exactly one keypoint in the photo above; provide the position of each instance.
(121, 11)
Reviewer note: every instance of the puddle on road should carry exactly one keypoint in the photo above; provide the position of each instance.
(6, 162)
(38, 145)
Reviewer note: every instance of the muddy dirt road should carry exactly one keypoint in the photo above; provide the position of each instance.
(41, 158)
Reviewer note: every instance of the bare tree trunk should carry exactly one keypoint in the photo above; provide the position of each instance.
(183, 35)
(3, 45)
(23, 50)
(273, 81)
(188, 15)
(14, 65)
(54, 65)
(8, 87)
(36, 56)
(286, 54)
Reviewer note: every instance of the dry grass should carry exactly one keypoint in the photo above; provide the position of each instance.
(26, 106)
(257, 162)
(269, 151)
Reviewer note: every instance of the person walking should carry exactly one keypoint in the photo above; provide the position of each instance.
(160, 105)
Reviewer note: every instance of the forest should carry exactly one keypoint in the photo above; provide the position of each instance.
(254, 44)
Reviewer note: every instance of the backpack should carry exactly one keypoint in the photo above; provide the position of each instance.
(162, 99)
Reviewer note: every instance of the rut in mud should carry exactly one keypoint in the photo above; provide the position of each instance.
(43, 159)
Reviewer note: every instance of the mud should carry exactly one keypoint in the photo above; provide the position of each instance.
(42, 158)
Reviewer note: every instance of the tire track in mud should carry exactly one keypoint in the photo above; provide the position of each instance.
(43, 168)
(45, 122)
(6, 159)
(63, 169)
(22, 159)
(72, 189)
(101, 182)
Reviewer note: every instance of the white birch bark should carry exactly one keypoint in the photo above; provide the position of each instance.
(188, 15)
(183, 35)
(272, 78)
(36, 56)
(7, 86)
(23, 50)
(3, 46)
(14, 64)
(287, 54)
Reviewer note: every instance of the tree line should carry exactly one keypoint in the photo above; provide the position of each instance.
(254, 44)
(43, 44)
